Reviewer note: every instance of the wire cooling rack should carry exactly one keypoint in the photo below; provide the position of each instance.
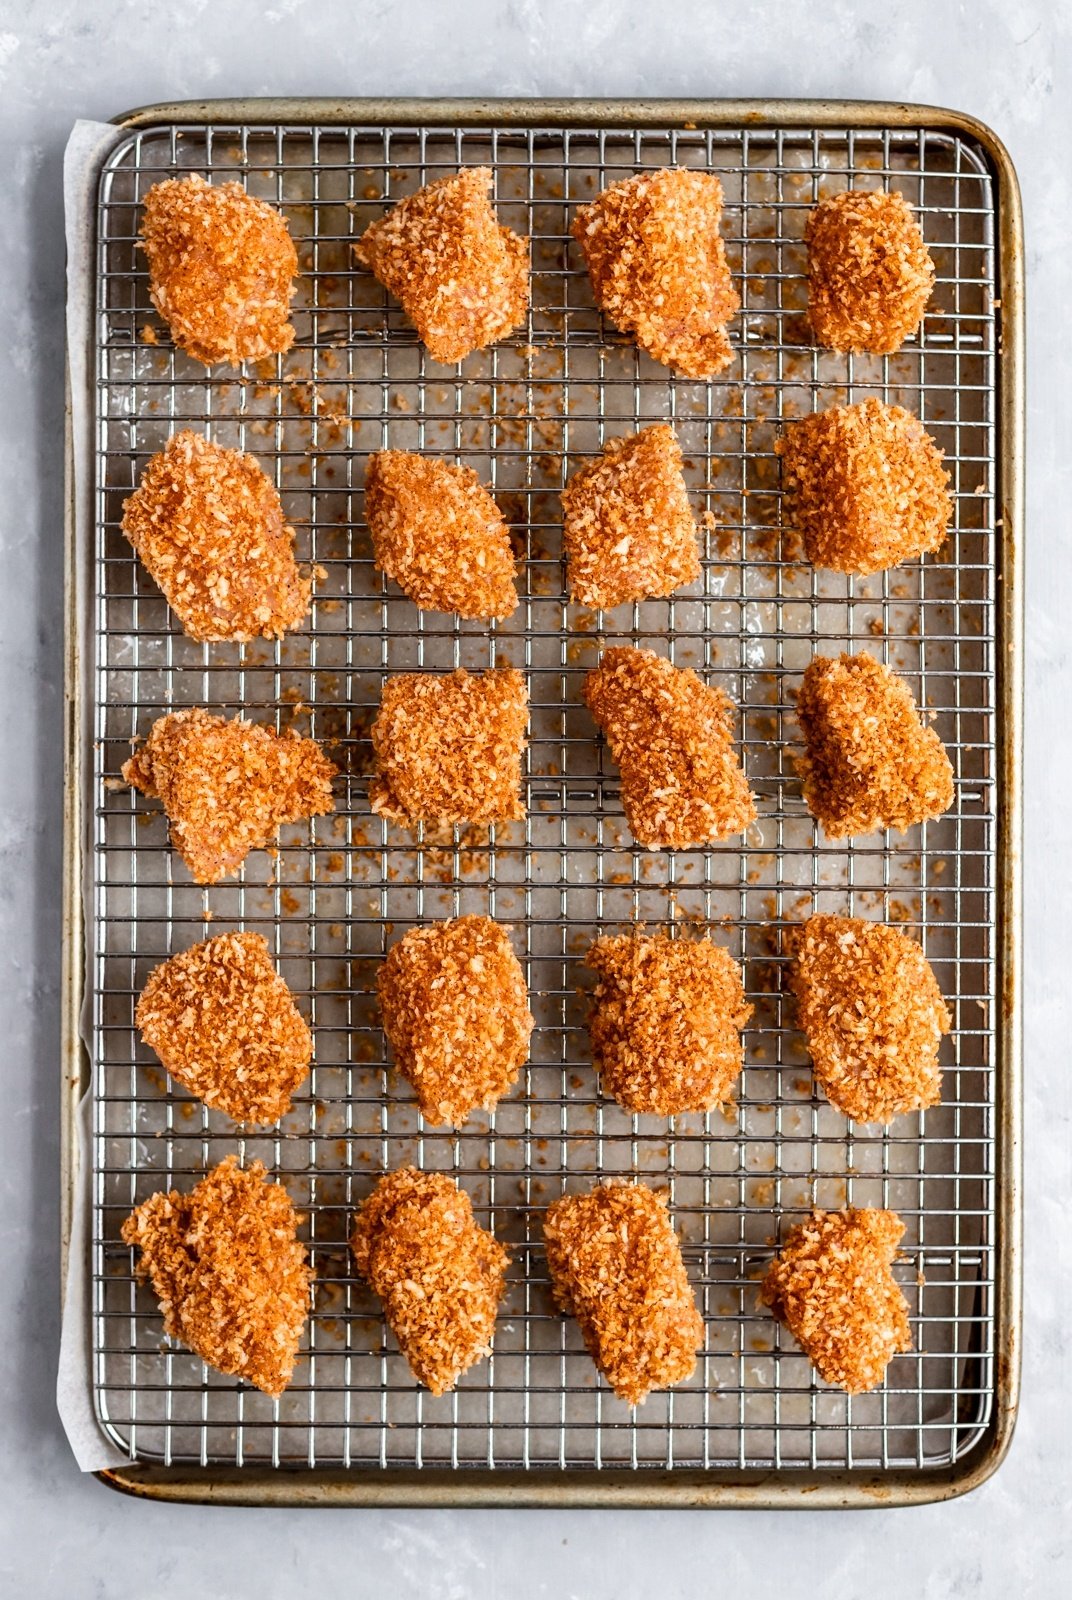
(341, 888)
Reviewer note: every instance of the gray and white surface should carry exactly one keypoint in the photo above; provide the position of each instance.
(63, 1534)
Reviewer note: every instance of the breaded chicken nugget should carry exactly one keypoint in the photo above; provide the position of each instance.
(832, 1286)
(873, 1015)
(665, 1022)
(209, 526)
(439, 1274)
(671, 735)
(658, 266)
(439, 534)
(224, 1024)
(230, 1274)
(221, 269)
(869, 273)
(865, 486)
(462, 279)
(616, 1266)
(455, 1009)
(628, 531)
(228, 787)
(869, 762)
(449, 747)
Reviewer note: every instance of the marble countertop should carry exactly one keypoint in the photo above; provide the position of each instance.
(1008, 63)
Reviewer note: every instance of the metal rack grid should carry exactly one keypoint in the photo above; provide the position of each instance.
(525, 413)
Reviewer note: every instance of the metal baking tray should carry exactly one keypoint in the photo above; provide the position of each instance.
(534, 1424)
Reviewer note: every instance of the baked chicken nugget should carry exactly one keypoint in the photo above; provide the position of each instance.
(230, 1274)
(439, 534)
(439, 1274)
(832, 1286)
(228, 787)
(671, 735)
(869, 272)
(221, 269)
(868, 762)
(628, 530)
(224, 1024)
(455, 1009)
(616, 1266)
(462, 278)
(449, 746)
(209, 526)
(658, 266)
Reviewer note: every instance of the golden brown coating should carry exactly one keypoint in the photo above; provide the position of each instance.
(439, 534)
(658, 266)
(832, 1286)
(221, 269)
(439, 1274)
(869, 762)
(461, 278)
(869, 273)
(224, 1024)
(455, 1010)
(228, 787)
(672, 737)
(628, 531)
(873, 1015)
(209, 526)
(865, 486)
(449, 747)
(665, 1022)
(230, 1274)
(616, 1266)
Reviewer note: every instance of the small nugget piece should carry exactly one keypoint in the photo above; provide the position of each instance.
(628, 530)
(671, 735)
(224, 1024)
(865, 486)
(873, 1016)
(439, 534)
(229, 1272)
(832, 1286)
(462, 279)
(455, 1009)
(869, 273)
(665, 1022)
(228, 787)
(209, 526)
(439, 1274)
(448, 747)
(221, 269)
(616, 1266)
(869, 762)
(658, 266)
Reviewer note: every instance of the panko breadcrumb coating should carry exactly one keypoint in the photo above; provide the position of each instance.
(628, 531)
(665, 1022)
(832, 1286)
(209, 526)
(865, 486)
(462, 279)
(221, 269)
(230, 1274)
(873, 1015)
(869, 273)
(658, 266)
(228, 787)
(449, 746)
(869, 762)
(671, 735)
(616, 1266)
(439, 534)
(224, 1024)
(439, 1274)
